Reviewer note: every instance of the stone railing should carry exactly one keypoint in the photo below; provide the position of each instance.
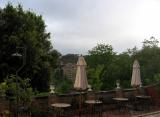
(105, 95)
(44, 102)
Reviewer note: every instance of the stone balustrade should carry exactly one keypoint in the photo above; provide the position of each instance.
(44, 102)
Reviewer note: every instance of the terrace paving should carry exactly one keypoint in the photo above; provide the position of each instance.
(116, 113)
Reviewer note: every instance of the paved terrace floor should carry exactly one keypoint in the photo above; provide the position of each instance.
(116, 113)
(126, 113)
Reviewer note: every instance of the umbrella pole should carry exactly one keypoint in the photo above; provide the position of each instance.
(80, 104)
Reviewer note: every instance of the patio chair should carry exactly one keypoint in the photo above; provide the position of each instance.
(75, 106)
(62, 111)
(132, 102)
(142, 100)
(94, 109)
(155, 97)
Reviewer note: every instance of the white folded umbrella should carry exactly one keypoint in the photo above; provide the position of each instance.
(81, 82)
(136, 76)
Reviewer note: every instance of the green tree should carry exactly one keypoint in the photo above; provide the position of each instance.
(23, 94)
(99, 57)
(21, 28)
(93, 76)
(132, 52)
(105, 67)
(152, 42)
(64, 86)
(149, 57)
(119, 69)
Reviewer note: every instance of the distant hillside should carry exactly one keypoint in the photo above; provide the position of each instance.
(70, 58)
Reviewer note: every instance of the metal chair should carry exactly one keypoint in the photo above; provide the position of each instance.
(155, 97)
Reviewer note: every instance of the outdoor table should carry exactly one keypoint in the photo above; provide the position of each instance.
(151, 114)
(144, 101)
(143, 97)
(59, 108)
(60, 105)
(92, 104)
(121, 102)
(120, 99)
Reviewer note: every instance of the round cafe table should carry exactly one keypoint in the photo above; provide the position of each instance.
(144, 102)
(60, 105)
(143, 96)
(91, 104)
(59, 108)
(121, 102)
(120, 99)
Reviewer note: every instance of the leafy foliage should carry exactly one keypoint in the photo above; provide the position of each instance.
(98, 59)
(105, 66)
(21, 28)
(19, 88)
(151, 43)
(3, 87)
(149, 58)
(119, 69)
(64, 86)
(100, 55)
(93, 77)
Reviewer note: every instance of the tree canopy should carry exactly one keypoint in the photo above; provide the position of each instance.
(105, 66)
(99, 57)
(21, 28)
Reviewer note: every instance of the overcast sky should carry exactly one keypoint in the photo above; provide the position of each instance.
(78, 25)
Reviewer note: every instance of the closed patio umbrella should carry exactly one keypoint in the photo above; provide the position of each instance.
(81, 82)
(136, 76)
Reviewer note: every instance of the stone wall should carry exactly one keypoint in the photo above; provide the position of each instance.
(43, 103)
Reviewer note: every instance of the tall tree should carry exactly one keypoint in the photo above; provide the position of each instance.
(105, 67)
(98, 59)
(152, 42)
(100, 55)
(21, 28)
(149, 57)
(119, 69)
